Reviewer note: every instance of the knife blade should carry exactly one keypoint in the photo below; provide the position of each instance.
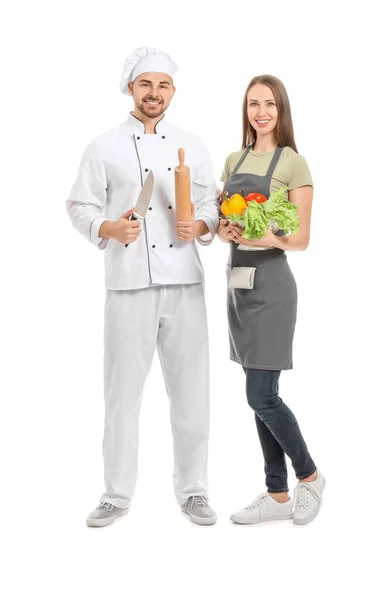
(143, 200)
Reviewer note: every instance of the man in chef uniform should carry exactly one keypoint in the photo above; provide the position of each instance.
(154, 284)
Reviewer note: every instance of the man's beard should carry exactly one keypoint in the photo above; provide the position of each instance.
(151, 113)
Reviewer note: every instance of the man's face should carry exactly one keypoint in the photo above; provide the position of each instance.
(152, 93)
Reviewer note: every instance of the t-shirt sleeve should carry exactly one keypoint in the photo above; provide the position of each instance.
(300, 173)
(226, 170)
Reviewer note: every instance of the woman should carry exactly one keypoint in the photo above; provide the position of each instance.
(262, 318)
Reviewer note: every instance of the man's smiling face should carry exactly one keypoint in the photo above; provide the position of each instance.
(152, 93)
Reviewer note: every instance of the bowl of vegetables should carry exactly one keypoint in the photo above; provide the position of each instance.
(255, 213)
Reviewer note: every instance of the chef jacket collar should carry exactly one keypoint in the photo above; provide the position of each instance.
(139, 125)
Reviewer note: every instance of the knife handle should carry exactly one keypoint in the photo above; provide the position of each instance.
(132, 218)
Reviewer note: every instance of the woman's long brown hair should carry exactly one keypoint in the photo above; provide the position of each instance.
(284, 126)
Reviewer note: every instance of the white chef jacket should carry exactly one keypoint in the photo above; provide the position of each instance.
(111, 174)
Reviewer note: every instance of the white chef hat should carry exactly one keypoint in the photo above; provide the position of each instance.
(144, 60)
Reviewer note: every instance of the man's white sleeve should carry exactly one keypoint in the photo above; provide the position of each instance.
(206, 198)
(88, 195)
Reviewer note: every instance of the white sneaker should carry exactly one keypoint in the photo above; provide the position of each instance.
(263, 508)
(308, 499)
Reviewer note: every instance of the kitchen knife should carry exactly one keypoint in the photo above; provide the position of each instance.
(142, 204)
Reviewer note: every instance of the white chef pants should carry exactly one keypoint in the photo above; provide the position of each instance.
(173, 318)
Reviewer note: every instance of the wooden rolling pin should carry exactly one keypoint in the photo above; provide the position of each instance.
(182, 190)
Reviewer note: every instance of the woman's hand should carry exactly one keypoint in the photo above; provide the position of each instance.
(269, 240)
(225, 233)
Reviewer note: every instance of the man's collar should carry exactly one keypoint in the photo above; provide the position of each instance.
(140, 126)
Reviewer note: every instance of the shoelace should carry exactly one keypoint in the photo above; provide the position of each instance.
(196, 501)
(301, 497)
(259, 500)
(107, 506)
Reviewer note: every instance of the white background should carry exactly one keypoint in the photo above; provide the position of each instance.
(61, 69)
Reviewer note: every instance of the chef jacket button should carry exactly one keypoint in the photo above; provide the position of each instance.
(138, 138)
(163, 137)
(169, 207)
(153, 246)
(150, 208)
(146, 170)
(171, 245)
(169, 169)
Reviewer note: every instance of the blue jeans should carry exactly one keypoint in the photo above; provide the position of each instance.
(278, 430)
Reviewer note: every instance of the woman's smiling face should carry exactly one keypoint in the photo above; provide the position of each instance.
(262, 110)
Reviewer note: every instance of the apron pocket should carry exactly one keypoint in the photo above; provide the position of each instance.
(249, 297)
(242, 278)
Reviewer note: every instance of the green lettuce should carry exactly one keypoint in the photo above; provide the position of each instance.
(256, 217)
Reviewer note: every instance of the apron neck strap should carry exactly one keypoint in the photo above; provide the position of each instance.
(238, 165)
(271, 168)
(275, 158)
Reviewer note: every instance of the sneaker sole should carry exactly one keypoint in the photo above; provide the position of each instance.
(200, 521)
(104, 522)
(306, 521)
(239, 521)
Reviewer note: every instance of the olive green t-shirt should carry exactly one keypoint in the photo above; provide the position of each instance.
(291, 170)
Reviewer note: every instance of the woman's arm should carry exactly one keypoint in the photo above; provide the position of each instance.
(302, 197)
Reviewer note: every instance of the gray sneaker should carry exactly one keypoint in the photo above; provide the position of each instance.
(105, 514)
(197, 508)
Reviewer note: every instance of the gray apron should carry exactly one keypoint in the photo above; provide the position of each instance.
(261, 320)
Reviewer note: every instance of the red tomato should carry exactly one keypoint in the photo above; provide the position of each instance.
(254, 196)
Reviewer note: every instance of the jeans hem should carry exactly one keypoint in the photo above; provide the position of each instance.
(279, 491)
(309, 475)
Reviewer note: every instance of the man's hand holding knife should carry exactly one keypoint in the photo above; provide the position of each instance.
(122, 230)
(127, 229)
